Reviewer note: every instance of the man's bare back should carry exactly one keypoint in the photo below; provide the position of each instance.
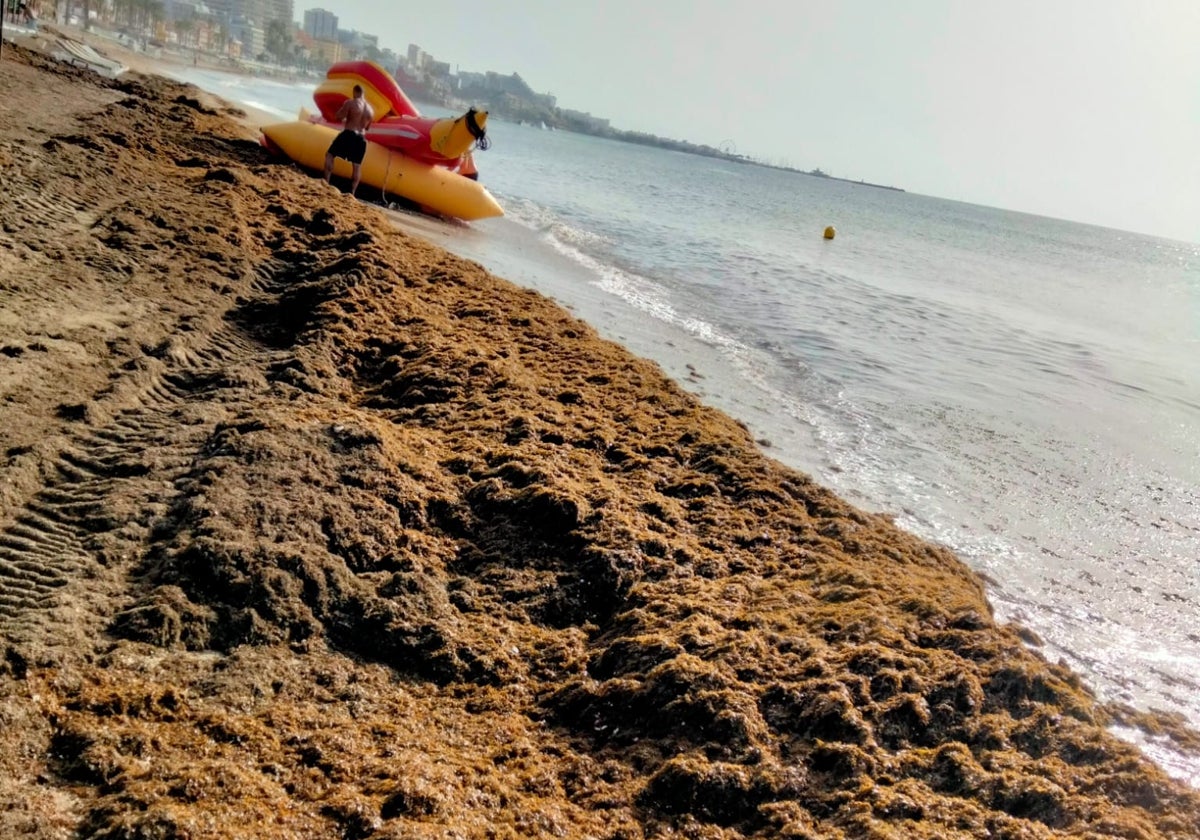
(351, 143)
(357, 114)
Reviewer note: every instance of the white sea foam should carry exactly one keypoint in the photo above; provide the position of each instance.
(263, 106)
(938, 467)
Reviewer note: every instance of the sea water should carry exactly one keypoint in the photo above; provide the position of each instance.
(1024, 390)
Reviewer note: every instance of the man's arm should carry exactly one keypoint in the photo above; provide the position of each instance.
(343, 112)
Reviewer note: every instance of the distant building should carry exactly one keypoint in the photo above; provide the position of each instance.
(253, 37)
(417, 57)
(195, 33)
(223, 9)
(304, 44)
(357, 44)
(326, 51)
(321, 25)
(261, 12)
(185, 10)
(284, 10)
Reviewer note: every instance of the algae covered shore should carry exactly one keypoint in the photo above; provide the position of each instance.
(311, 529)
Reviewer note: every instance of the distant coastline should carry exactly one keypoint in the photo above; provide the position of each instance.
(709, 151)
(685, 146)
(511, 98)
(817, 173)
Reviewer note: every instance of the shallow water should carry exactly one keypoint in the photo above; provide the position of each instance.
(1022, 389)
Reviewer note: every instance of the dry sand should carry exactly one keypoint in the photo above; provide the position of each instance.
(310, 529)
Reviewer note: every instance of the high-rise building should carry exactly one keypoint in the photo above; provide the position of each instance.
(261, 12)
(283, 10)
(185, 9)
(321, 24)
(220, 8)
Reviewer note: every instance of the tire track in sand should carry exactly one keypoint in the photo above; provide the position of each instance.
(67, 547)
(66, 552)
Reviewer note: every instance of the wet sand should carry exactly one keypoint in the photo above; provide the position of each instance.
(311, 529)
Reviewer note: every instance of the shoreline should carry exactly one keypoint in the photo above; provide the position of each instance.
(333, 532)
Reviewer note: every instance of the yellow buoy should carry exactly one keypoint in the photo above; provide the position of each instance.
(830, 232)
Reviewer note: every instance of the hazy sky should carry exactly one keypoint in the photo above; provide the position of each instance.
(1081, 109)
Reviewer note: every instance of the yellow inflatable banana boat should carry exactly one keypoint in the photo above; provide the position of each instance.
(432, 187)
(408, 156)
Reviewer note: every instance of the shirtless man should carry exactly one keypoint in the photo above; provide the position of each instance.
(351, 144)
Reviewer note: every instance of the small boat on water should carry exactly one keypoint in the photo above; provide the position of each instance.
(425, 160)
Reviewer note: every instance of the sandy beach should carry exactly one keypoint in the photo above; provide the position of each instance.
(309, 528)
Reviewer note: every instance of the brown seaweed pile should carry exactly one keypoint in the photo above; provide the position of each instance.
(309, 529)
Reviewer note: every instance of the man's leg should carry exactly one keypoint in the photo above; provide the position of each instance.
(328, 166)
(357, 176)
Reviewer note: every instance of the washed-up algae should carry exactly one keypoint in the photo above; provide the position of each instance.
(314, 530)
